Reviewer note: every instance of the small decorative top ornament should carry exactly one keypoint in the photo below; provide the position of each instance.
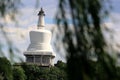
(41, 12)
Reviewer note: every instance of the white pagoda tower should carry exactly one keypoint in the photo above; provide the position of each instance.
(40, 51)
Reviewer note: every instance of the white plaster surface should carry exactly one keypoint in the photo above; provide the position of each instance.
(40, 43)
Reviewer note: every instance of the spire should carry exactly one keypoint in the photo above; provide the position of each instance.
(41, 15)
(41, 12)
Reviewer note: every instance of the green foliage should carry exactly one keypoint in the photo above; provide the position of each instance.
(35, 72)
(61, 65)
(84, 40)
(118, 71)
(5, 69)
(18, 73)
(31, 71)
(1, 76)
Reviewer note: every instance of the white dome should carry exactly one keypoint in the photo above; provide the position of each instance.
(40, 42)
(40, 36)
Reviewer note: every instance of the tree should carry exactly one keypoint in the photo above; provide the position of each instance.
(5, 69)
(61, 65)
(18, 73)
(36, 72)
(83, 42)
(31, 71)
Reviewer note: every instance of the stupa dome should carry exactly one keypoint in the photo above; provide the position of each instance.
(40, 42)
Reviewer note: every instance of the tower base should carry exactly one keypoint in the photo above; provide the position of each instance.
(41, 60)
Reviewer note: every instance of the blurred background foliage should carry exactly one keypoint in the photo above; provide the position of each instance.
(8, 9)
(87, 55)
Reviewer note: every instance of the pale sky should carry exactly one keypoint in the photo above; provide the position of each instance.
(28, 20)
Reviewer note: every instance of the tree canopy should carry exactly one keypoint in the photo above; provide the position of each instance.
(5, 69)
(84, 44)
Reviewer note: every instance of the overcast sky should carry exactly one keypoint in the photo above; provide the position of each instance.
(28, 20)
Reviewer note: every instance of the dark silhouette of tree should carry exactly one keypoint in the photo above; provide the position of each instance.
(5, 69)
(84, 44)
